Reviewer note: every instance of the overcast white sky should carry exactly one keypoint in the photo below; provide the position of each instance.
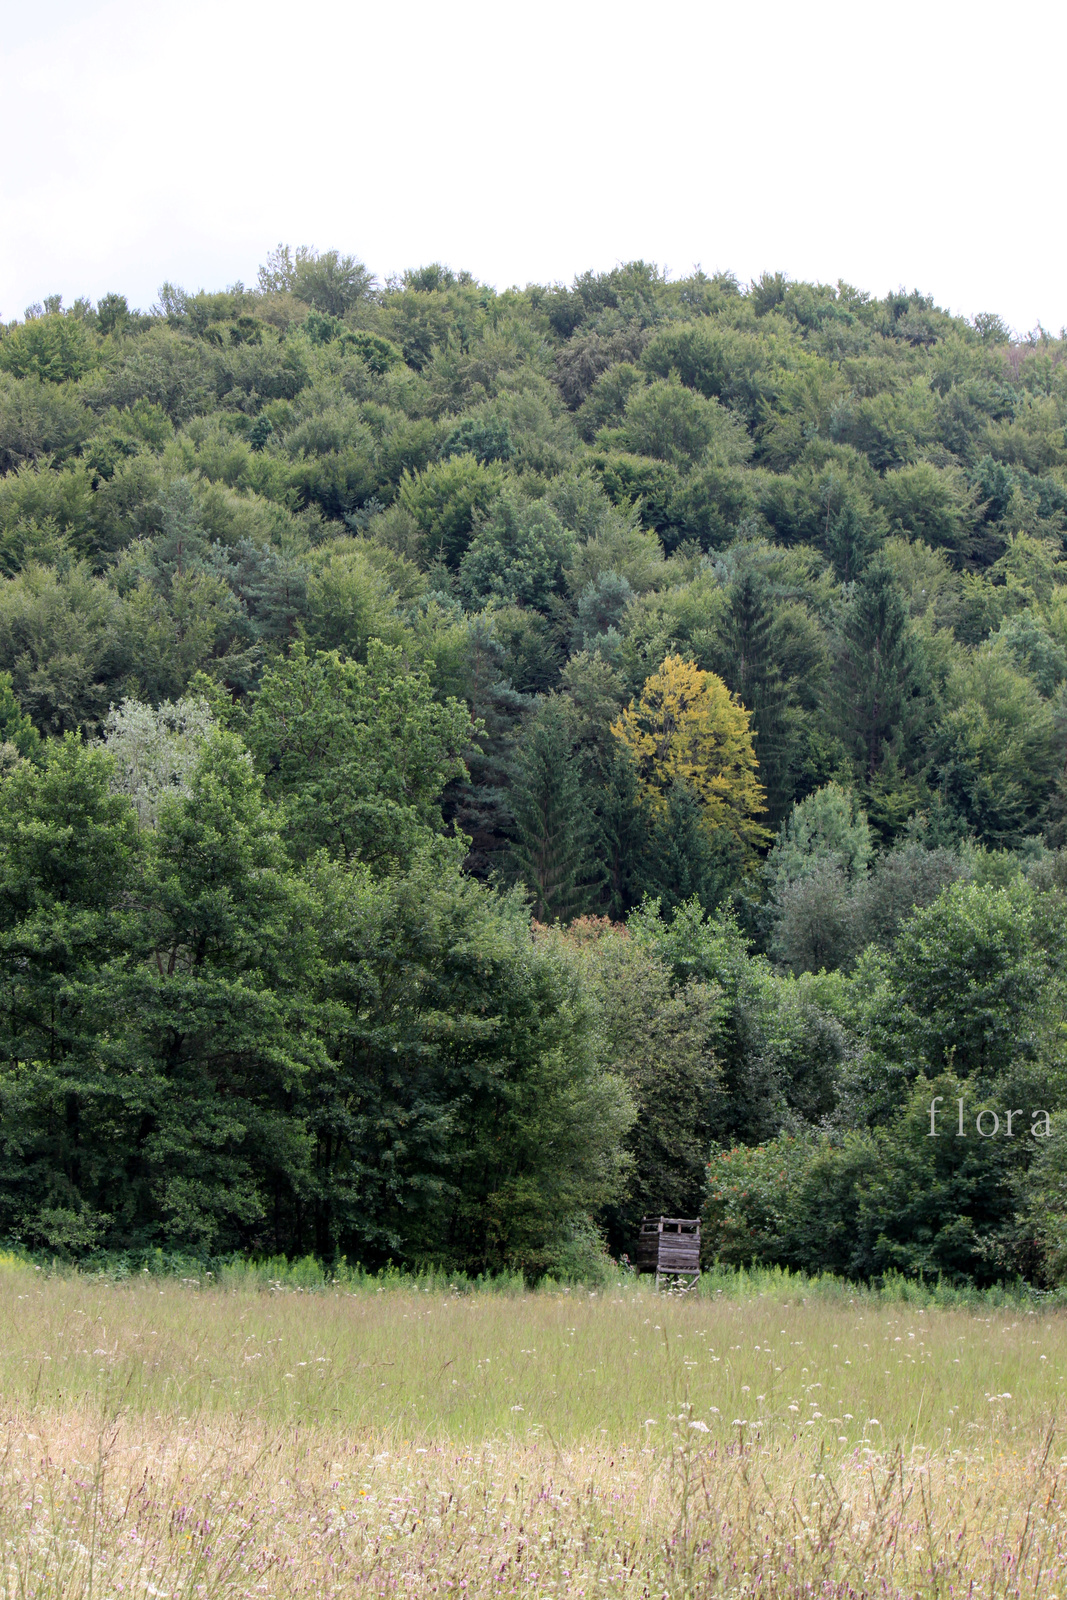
(888, 144)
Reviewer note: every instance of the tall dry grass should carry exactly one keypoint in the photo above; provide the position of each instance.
(166, 1442)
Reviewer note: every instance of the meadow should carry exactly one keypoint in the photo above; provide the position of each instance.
(166, 1439)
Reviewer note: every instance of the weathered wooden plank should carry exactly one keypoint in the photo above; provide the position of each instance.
(669, 1246)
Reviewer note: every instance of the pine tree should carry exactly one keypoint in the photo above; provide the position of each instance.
(552, 820)
(878, 679)
(850, 543)
(682, 861)
(622, 836)
(749, 669)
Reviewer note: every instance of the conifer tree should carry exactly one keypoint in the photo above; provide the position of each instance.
(750, 670)
(878, 681)
(622, 835)
(552, 820)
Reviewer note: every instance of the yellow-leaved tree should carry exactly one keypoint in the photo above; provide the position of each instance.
(686, 727)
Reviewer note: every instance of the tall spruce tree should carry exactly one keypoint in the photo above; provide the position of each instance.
(553, 824)
(622, 835)
(747, 664)
(878, 684)
(682, 861)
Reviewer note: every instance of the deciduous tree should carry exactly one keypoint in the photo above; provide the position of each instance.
(686, 728)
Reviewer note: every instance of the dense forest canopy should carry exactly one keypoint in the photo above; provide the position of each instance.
(471, 759)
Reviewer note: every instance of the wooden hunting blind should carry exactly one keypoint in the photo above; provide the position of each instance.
(670, 1247)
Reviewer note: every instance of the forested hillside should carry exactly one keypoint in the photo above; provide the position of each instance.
(470, 759)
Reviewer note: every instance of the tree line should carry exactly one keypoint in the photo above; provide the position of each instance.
(480, 765)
